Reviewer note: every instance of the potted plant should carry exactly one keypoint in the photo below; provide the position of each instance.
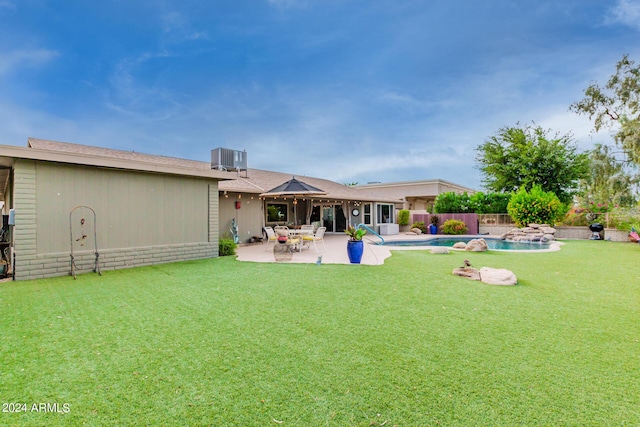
(355, 245)
(433, 227)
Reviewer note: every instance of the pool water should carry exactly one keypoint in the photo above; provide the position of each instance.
(494, 244)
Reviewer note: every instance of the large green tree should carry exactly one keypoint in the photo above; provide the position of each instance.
(616, 106)
(608, 181)
(526, 156)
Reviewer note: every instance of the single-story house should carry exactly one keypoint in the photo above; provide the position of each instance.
(415, 195)
(69, 205)
(125, 208)
(243, 204)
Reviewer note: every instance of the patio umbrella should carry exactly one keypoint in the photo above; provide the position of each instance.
(294, 188)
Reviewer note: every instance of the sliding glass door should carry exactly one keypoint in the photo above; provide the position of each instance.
(327, 218)
(330, 216)
(385, 214)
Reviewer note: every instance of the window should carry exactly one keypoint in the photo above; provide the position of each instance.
(276, 212)
(367, 219)
(385, 214)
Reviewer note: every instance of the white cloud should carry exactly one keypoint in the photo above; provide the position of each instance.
(130, 96)
(19, 123)
(404, 101)
(384, 162)
(179, 27)
(13, 60)
(564, 121)
(625, 12)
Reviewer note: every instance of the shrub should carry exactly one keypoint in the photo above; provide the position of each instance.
(420, 225)
(535, 206)
(454, 226)
(490, 203)
(226, 247)
(451, 202)
(403, 217)
(481, 203)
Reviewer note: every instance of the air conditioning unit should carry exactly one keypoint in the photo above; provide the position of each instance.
(229, 160)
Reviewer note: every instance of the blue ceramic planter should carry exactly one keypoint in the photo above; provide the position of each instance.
(433, 229)
(355, 250)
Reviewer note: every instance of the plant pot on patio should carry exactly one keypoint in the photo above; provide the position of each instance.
(355, 249)
(433, 227)
(355, 245)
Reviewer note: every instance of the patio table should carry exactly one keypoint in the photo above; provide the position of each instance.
(298, 234)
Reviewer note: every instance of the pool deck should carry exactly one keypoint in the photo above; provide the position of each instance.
(336, 252)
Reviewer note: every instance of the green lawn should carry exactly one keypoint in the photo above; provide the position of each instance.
(220, 342)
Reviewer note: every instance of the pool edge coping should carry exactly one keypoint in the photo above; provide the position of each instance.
(554, 246)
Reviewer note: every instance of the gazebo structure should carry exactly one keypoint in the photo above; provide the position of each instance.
(299, 191)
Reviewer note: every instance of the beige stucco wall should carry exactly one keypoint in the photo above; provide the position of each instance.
(141, 218)
(248, 217)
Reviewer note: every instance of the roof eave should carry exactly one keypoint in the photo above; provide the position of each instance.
(13, 152)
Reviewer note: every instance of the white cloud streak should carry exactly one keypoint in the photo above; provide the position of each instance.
(625, 12)
(179, 27)
(17, 59)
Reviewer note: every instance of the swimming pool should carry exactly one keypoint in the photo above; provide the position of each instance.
(492, 243)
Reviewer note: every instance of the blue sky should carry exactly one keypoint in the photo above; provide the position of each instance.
(353, 91)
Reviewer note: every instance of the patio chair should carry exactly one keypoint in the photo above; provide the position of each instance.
(271, 236)
(307, 227)
(306, 230)
(315, 238)
(281, 230)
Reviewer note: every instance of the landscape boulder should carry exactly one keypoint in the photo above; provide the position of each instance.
(476, 245)
(468, 272)
(439, 250)
(497, 276)
(532, 233)
(459, 245)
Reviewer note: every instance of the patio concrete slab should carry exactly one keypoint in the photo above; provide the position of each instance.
(336, 252)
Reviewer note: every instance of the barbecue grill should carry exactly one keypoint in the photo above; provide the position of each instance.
(596, 228)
